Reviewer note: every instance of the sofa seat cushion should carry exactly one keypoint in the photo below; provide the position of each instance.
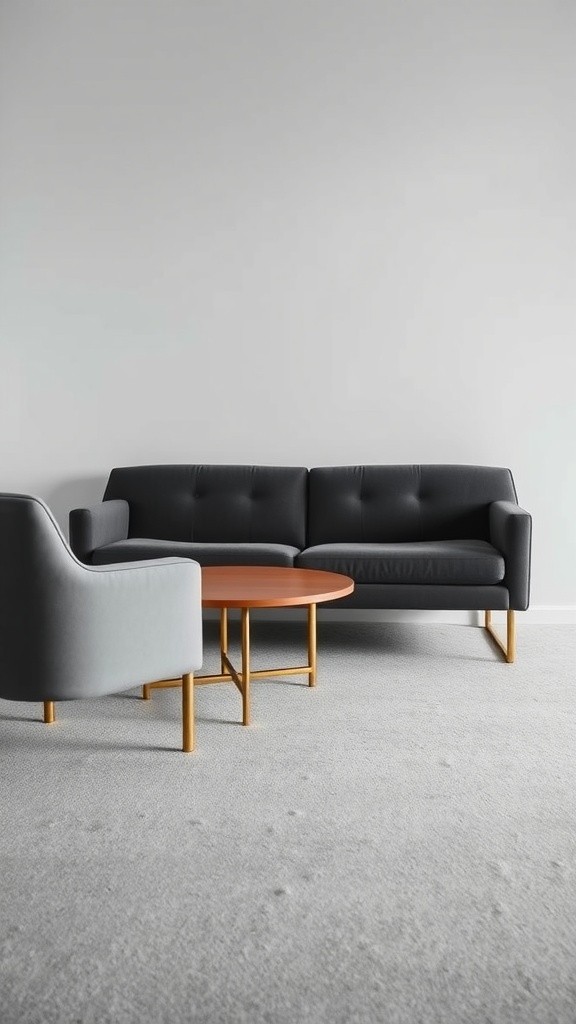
(136, 548)
(468, 562)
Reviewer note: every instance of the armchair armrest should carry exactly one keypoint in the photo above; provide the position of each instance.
(124, 625)
(91, 528)
(511, 532)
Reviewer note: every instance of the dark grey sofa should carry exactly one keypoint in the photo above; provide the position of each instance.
(430, 537)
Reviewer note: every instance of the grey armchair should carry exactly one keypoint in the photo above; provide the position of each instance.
(69, 631)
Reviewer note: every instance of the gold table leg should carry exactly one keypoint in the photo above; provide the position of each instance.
(245, 666)
(242, 678)
(312, 644)
(223, 638)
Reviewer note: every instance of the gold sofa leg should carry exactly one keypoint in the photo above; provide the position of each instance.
(509, 648)
(49, 714)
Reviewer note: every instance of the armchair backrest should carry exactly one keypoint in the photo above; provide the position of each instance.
(33, 552)
(34, 560)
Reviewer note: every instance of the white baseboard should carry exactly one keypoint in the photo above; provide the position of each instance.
(537, 615)
(549, 614)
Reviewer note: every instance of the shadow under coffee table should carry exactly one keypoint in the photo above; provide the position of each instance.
(261, 586)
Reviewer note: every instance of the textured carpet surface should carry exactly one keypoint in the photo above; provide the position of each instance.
(397, 845)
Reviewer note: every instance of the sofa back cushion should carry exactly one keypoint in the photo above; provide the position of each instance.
(266, 504)
(378, 504)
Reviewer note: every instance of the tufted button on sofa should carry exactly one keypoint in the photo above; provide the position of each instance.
(411, 536)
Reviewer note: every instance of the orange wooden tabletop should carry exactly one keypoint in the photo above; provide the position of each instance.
(269, 586)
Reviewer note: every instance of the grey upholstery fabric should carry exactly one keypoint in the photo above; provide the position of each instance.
(94, 527)
(511, 533)
(204, 554)
(214, 504)
(394, 504)
(463, 562)
(69, 631)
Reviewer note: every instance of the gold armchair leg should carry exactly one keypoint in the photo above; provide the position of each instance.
(146, 691)
(509, 648)
(49, 714)
(188, 713)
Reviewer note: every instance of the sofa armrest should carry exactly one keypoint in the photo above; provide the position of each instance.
(91, 528)
(511, 533)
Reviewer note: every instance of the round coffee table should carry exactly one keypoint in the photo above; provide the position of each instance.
(262, 586)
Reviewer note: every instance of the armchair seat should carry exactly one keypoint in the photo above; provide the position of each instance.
(448, 562)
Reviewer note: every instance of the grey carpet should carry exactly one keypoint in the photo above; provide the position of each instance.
(396, 846)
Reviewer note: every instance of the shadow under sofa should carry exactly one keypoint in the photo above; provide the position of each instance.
(437, 537)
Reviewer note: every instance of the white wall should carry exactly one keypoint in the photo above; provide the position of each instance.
(299, 232)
